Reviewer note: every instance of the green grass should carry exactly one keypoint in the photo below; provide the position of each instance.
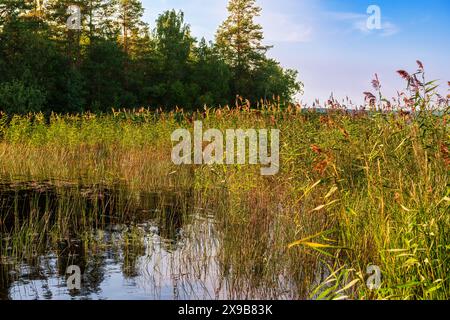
(354, 189)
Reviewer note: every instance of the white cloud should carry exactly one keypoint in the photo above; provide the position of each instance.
(279, 27)
(358, 22)
(389, 29)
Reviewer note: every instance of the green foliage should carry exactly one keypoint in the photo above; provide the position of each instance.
(239, 41)
(239, 38)
(354, 189)
(103, 68)
(116, 61)
(174, 45)
(212, 76)
(15, 96)
(272, 81)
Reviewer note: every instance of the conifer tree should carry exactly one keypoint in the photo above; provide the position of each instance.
(239, 40)
(130, 14)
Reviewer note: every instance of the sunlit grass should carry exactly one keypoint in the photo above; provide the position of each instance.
(355, 189)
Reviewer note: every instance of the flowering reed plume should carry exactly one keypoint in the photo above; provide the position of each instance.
(376, 83)
(370, 98)
(405, 75)
(420, 64)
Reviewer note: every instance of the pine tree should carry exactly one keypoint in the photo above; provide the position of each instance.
(239, 40)
(104, 20)
(97, 15)
(11, 9)
(130, 14)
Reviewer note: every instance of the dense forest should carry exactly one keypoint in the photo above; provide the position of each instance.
(114, 59)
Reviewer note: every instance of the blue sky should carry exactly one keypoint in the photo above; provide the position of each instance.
(329, 43)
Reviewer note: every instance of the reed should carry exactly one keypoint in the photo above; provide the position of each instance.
(355, 188)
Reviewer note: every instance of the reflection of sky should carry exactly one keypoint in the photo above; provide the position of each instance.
(161, 273)
(329, 43)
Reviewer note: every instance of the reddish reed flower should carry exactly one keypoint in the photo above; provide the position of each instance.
(420, 64)
(405, 75)
(376, 83)
(445, 154)
(316, 149)
(370, 98)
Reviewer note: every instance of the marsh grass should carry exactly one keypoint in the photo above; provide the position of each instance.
(356, 188)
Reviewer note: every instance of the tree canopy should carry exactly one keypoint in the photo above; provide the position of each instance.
(117, 60)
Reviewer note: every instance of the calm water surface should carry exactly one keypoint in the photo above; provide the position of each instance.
(150, 256)
(127, 244)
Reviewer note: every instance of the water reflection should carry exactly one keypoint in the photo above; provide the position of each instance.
(156, 268)
(131, 245)
(127, 252)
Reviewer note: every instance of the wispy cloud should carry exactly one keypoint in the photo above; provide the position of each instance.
(281, 27)
(387, 28)
(358, 22)
(328, 40)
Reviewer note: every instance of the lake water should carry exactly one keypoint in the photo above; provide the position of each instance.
(127, 245)
(137, 255)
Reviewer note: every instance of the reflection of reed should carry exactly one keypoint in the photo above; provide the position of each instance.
(5, 281)
(38, 218)
(160, 245)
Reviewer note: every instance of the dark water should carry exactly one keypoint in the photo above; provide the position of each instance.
(128, 245)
